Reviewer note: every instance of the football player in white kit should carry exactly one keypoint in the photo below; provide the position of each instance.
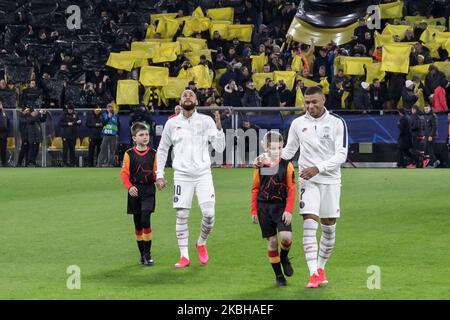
(322, 139)
(190, 133)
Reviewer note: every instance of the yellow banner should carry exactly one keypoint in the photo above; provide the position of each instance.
(297, 63)
(381, 40)
(396, 30)
(157, 16)
(192, 44)
(154, 76)
(118, 61)
(287, 76)
(391, 10)
(195, 25)
(308, 82)
(223, 14)
(443, 66)
(396, 58)
(241, 31)
(299, 98)
(194, 57)
(433, 46)
(430, 31)
(167, 52)
(174, 88)
(198, 13)
(219, 73)
(127, 92)
(258, 62)
(186, 74)
(374, 72)
(150, 33)
(221, 27)
(148, 47)
(420, 71)
(416, 20)
(351, 65)
(260, 78)
(203, 77)
(302, 31)
(168, 27)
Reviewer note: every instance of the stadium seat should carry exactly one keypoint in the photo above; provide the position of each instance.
(56, 143)
(78, 144)
(11, 143)
(85, 143)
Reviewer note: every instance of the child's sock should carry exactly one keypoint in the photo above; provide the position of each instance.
(147, 237)
(274, 259)
(139, 241)
(285, 247)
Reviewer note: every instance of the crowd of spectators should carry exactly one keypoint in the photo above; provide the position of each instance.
(45, 65)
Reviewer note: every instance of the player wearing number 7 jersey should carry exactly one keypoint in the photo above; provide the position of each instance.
(190, 133)
(321, 137)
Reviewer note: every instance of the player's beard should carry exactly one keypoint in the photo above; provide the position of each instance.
(188, 107)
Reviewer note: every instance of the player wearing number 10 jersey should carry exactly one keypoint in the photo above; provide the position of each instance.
(190, 133)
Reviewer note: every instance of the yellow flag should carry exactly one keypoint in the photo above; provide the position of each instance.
(167, 52)
(168, 27)
(297, 63)
(174, 88)
(287, 76)
(355, 65)
(192, 44)
(396, 30)
(391, 10)
(147, 47)
(241, 31)
(194, 57)
(194, 25)
(219, 73)
(420, 71)
(344, 99)
(416, 20)
(186, 74)
(224, 14)
(441, 37)
(381, 40)
(434, 47)
(198, 13)
(154, 76)
(221, 27)
(299, 98)
(158, 16)
(351, 65)
(150, 33)
(396, 58)
(258, 62)
(118, 61)
(307, 82)
(421, 102)
(300, 30)
(127, 92)
(430, 31)
(260, 78)
(374, 72)
(443, 66)
(203, 77)
(325, 85)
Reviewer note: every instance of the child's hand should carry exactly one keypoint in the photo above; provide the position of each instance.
(133, 191)
(287, 218)
(255, 219)
(160, 183)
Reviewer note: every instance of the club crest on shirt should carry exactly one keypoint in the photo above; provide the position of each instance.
(304, 129)
(175, 199)
(326, 133)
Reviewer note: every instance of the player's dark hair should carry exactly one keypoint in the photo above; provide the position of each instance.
(313, 90)
(136, 127)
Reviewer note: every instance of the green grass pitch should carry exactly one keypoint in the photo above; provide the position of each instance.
(54, 218)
